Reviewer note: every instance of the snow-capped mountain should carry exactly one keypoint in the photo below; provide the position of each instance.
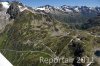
(69, 9)
(53, 9)
(70, 14)
(66, 8)
(46, 8)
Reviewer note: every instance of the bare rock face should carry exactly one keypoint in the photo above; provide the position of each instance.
(13, 10)
(4, 18)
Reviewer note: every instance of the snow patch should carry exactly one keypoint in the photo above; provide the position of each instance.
(76, 9)
(40, 8)
(22, 8)
(5, 5)
(67, 10)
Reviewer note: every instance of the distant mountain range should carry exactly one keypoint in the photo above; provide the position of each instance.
(70, 14)
(64, 8)
(70, 9)
(74, 15)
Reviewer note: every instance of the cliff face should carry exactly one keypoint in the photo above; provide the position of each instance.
(13, 10)
(4, 17)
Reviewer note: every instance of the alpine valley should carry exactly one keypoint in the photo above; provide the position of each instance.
(28, 33)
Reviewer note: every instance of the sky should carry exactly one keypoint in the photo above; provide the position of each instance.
(36, 3)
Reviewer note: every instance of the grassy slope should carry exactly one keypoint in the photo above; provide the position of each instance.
(35, 35)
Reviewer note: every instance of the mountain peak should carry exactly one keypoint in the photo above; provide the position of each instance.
(45, 7)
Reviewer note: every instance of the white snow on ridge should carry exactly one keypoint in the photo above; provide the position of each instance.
(5, 5)
(22, 8)
(76, 9)
(40, 8)
(67, 10)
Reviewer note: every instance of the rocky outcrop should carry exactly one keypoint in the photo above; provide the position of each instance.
(13, 10)
(4, 18)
